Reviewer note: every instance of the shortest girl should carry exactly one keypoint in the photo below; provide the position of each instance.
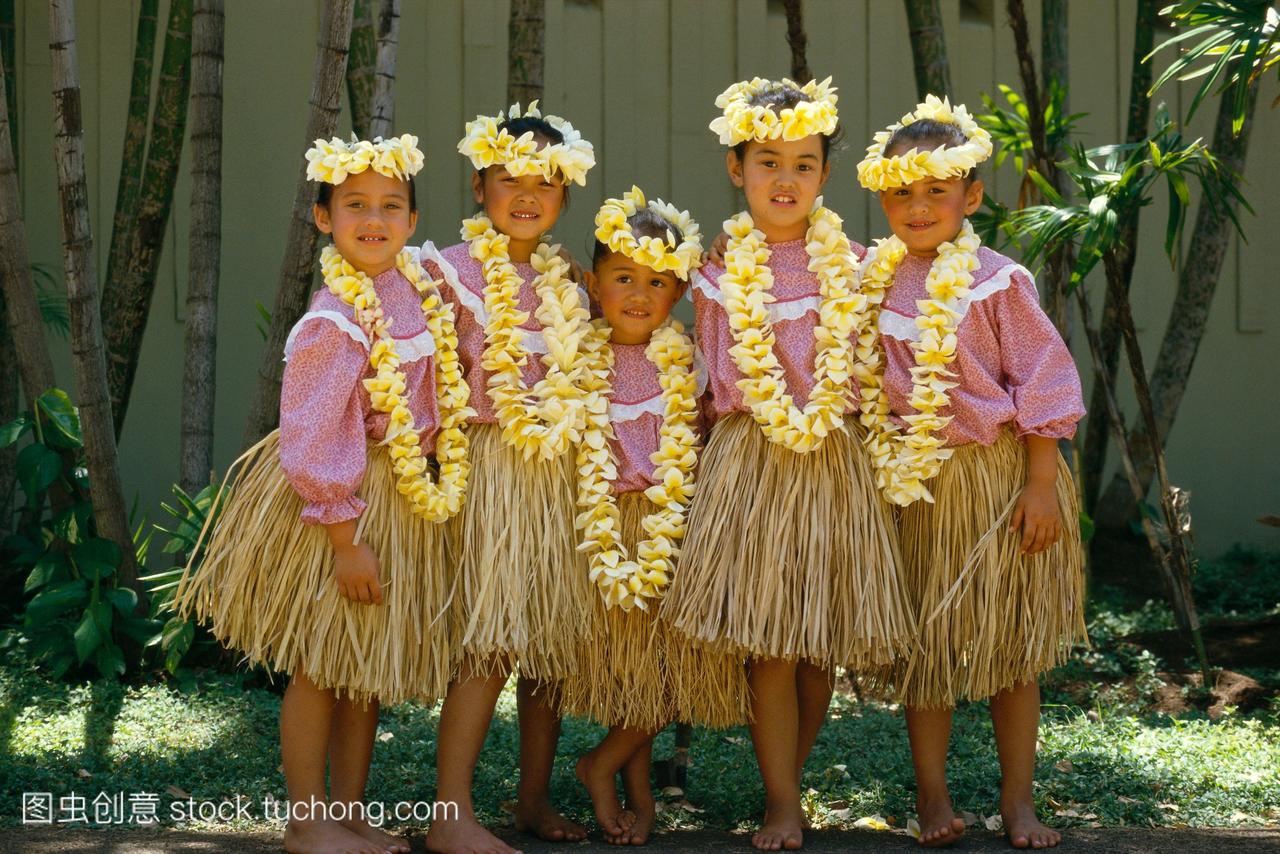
(981, 388)
(636, 478)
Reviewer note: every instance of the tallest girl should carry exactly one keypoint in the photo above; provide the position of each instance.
(791, 559)
(522, 594)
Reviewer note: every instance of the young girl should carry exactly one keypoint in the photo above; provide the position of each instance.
(329, 560)
(992, 555)
(636, 469)
(521, 591)
(791, 559)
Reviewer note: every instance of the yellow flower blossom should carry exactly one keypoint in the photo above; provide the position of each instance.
(486, 145)
(877, 172)
(744, 122)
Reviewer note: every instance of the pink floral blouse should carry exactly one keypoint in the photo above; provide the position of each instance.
(325, 413)
(1012, 364)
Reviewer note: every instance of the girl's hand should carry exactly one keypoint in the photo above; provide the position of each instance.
(355, 568)
(356, 572)
(1036, 513)
(715, 252)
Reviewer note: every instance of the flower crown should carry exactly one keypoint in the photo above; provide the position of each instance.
(877, 172)
(331, 162)
(744, 122)
(487, 144)
(659, 254)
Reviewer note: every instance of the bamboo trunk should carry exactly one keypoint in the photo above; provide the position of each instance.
(1189, 316)
(383, 120)
(928, 48)
(1095, 438)
(797, 41)
(135, 141)
(298, 267)
(126, 300)
(199, 366)
(526, 30)
(361, 59)
(87, 356)
(1055, 71)
(8, 47)
(22, 311)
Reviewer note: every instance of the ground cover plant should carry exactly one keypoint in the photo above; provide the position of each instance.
(1128, 737)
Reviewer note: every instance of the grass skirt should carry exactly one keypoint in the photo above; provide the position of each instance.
(790, 556)
(990, 618)
(521, 589)
(636, 671)
(266, 586)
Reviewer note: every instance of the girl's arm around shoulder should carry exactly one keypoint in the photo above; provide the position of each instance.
(322, 433)
(1039, 372)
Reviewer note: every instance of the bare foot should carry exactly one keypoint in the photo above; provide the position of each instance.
(600, 785)
(322, 836)
(464, 835)
(542, 820)
(646, 813)
(380, 838)
(939, 824)
(1024, 829)
(783, 829)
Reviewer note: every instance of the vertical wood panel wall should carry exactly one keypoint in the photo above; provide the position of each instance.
(638, 77)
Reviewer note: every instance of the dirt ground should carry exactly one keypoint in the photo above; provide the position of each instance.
(1114, 840)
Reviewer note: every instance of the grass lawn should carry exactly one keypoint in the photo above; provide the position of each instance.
(1108, 756)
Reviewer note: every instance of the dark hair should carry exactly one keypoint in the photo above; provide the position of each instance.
(929, 131)
(644, 223)
(540, 128)
(782, 98)
(324, 194)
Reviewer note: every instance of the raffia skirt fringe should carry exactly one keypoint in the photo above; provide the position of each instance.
(265, 586)
(790, 556)
(990, 617)
(636, 671)
(521, 590)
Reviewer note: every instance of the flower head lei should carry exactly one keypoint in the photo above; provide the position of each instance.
(488, 143)
(657, 253)
(878, 172)
(744, 121)
(331, 162)
(435, 499)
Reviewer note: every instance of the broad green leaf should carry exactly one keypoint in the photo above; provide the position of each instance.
(61, 415)
(55, 599)
(93, 630)
(96, 558)
(38, 468)
(122, 599)
(13, 431)
(50, 568)
(109, 660)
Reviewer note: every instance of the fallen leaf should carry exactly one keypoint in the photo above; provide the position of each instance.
(1089, 816)
(1168, 807)
(386, 736)
(84, 773)
(993, 823)
(1126, 800)
(735, 739)
(1064, 766)
(688, 807)
(508, 807)
(969, 819)
(841, 814)
(837, 805)
(180, 794)
(672, 792)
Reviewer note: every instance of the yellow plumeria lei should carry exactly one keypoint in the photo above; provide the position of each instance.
(331, 162)
(655, 253)
(904, 462)
(486, 144)
(549, 419)
(439, 500)
(842, 309)
(877, 172)
(744, 122)
(623, 582)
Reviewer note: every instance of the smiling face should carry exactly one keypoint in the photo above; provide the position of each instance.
(633, 298)
(927, 213)
(781, 179)
(522, 208)
(370, 219)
